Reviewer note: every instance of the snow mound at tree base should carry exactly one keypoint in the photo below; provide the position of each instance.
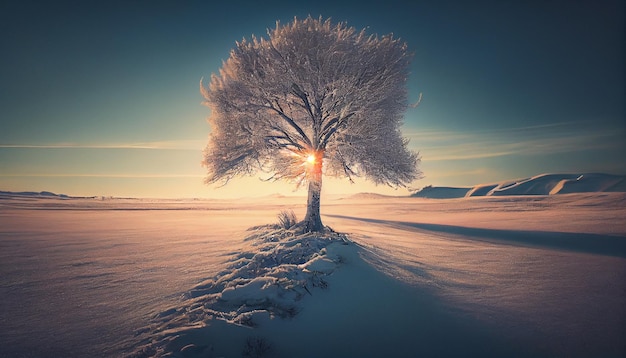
(266, 281)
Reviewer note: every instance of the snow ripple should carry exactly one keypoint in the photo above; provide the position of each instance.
(266, 281)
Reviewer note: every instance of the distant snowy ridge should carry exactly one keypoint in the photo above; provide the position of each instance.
(544, 184)
(39, 195)
(32, 194)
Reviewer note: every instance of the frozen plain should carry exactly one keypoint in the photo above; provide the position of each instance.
(521, 275)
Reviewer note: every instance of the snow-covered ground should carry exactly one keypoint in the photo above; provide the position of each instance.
(477, 276)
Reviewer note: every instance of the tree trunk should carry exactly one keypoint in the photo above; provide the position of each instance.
(312, 221)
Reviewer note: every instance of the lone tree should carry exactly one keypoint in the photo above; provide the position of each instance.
(311, 98)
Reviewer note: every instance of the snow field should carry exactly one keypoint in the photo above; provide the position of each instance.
(418, 277)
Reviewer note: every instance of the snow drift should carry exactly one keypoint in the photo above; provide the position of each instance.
(265, 282)
(312, 295)
(544, 184)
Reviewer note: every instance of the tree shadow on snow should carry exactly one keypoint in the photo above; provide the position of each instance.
(609, 245)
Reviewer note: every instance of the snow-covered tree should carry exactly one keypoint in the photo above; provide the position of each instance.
(311, 98)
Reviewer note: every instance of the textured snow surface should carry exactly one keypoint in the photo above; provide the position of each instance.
(482, 276)
(269, 279)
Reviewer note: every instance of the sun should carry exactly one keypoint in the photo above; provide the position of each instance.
(310, 159)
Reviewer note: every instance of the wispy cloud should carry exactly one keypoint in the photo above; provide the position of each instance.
(190, 144)
(440, 145)
(121, 176)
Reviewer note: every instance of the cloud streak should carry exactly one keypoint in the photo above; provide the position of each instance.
(156, 145)
(446, 145)
(121, 176)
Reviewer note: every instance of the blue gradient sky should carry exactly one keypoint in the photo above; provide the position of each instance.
(101, 98)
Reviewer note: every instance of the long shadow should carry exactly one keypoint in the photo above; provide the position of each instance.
(609, 245)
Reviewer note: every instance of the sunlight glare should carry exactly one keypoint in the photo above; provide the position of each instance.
(310, 159)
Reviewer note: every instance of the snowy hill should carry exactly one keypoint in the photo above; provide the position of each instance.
(544, 184)
(441, 192)
(32, 194)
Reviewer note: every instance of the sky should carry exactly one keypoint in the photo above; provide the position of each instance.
(101, 98)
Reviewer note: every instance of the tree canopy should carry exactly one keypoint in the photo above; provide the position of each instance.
(311, 97)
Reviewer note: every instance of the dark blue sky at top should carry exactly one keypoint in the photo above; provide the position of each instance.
(128, 71)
